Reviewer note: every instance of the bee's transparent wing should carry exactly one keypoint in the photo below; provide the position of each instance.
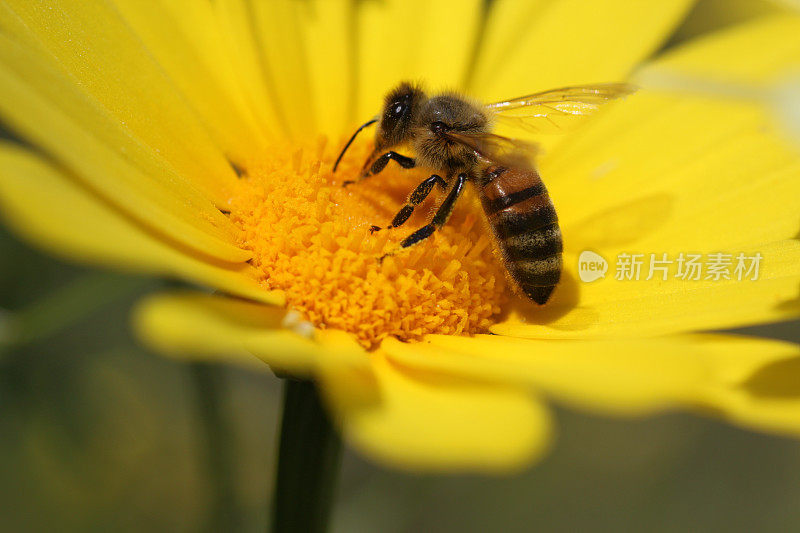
(497, 149)
(557, 109)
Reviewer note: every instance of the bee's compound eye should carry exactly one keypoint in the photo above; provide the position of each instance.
(397, 109)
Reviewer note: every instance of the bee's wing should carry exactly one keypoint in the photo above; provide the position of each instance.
(558, 108)
(497, 149)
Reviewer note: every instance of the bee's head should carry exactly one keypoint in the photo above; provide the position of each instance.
(399, 109)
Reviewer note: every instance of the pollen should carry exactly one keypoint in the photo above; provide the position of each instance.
(311, 238)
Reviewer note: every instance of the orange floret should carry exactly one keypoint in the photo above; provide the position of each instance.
(310, 238)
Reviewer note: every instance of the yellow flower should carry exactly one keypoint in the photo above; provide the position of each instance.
(139, 115)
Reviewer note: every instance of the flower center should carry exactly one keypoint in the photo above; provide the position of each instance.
(311, 238)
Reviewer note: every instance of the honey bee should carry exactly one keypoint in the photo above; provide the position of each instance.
(451, 135)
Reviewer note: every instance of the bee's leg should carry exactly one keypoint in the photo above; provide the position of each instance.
(439, 218)
(380, 163)
(416, 197)
(371, 157)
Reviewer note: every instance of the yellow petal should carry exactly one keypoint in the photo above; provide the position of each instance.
(328, 33)
(51, 209)
(533, 46)
(667, 174)
(50, 111)
(426, 421)
(200, 326)
(625, 377)
(713, 15)
(757, 383)
(240, 35)
(431, 41)
(185, 38)
(279, 37)
(757, 51)
(196, 326)
(92, 44)
(747, 381)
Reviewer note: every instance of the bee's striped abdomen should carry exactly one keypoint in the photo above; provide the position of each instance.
(525, 223)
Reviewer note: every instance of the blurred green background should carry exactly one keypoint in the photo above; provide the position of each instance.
(98, 434)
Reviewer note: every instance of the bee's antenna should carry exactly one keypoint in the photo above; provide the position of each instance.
(346, 146)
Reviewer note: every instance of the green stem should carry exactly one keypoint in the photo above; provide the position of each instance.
(308, 462)
(218, 446)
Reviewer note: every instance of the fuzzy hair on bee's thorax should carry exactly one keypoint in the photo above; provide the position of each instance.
(450, 112)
